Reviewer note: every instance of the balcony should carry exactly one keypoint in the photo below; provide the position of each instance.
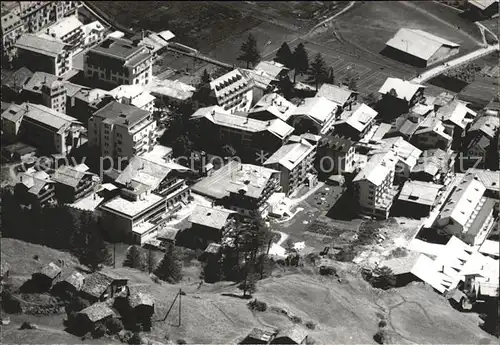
(169, 188)
(177, 192)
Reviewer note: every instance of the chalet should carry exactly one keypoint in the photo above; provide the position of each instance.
(292, 335)
(70, 285)
(272, 106)
(73, 183)
(142, 305)
(100, 286)
(12, 86)
(481, 9)
(399, 96)
(490, 181)
(356, 122)
(418, 198)
(35, 189)
(335, 155)
(18, 152)
(434, 165)
(46, 277)
(88, 318)
(315, 115)
(404, 126)
(340, 95)
(210, 224)
(456, 118)
(259, 336)
(431, 134)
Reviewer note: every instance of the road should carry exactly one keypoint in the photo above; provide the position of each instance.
(455, 63)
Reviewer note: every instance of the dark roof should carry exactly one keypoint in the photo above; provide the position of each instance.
(262, 335)
(140, 298)
(405, 125)
(118, 48)
(96, 283)
(138, 59)
(479, 139)
(19, 148)
(17, 80)
(213, 248)
(69, 176)
(122, 114)
(339, 143)
(97, 312)
(479, 220)
(75, 279)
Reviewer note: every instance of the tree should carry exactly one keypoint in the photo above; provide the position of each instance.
(318, 70)
(134, 258)
(89, 245)
(249, 51)
(331, 76)
(383, 278)
(182, 146)
(212, 271)
(248, 285)
(300, 61)
(284, 55)
(353, 85)
(169, 268)
(205, 77)
(285, 87)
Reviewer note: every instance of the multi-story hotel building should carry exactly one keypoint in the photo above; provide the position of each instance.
(232, 92)
(122, 130)
(68, 30)
(119, 62)
(20, 17)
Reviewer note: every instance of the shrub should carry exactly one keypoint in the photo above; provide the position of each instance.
(399, 252)
(181, 341)
(382, 324)
(257, 305)
(28, 325)
(296, 319)
(310, 325)
(114, 325)
(135, 339)
(327, 271)
(99, 331)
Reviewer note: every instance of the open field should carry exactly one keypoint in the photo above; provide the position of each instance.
(343, 312)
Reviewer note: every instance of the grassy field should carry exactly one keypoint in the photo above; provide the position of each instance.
(343, 312)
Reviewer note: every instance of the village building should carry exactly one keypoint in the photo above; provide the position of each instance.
(246, 135)
(73, 183)
(46, 277)
(88, 318)
(404, 126)
(483, 8)
(272, 106)
(92, 33)
(18, 152)
(31, 17)
(373, 185)
(211, 224)
(340, 95)
(490, 248)
(100, 286)
(244, 188)
(399, 96)
(155, 42)
(355, 122)
(418, 198)
(431, 134)
(231, 91)
(314, 115)
(44, 54)
(135, 95)
(122, 130)
(119, 62)
(151, 193)
(170, 94)
(69, 286)
(434, 165)
(259, 336)
(467, 214)
(456, 118)
(336, 155)
(420, 48)
(295, 161)
(48, 130)
(142, 305)
(12, 86)
(490, 181)
(69, 30)
(35, 189)
(291, 335)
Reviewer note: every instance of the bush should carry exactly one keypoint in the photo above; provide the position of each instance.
(382, 324)
(310, 325)
(99, 331)
(135, 339)
(114, 325)
(28, 325)
(399, 252)
(257, 305)
(181, 341)
(296, 319)
(327, 271)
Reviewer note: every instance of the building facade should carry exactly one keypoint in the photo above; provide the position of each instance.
(119, 62)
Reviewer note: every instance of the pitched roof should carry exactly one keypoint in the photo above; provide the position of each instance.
(50, 270)
(463, 201)
(490, 247)
(419, 192)
(94, 26)
(359, 117)
(132, 208)
(97, 311)
(482, 4)
(337, 143)
(262, 335)
(271, 68)
(68, 175)
(250, 179)
(291, 155)
(418, 43)
(64, 26)
(276, 105)
(140, 298)
(405, 124)
(490, 179)
(406, 152)
(96, 283)
(334, 93)
(122, 114)
(294, 333)
(405, 89)
(457, 113)
(432, 162)
(170, 88)
(319, 109)
(75, 279)
(117, 48)
(488, 124)
(229, 84)
(18, 79)
(377, 168)
(210, 217)
(40, 45)
(221, 117)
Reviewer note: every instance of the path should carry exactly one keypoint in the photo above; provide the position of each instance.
(429, 74)
(296, 201)
(314, 28)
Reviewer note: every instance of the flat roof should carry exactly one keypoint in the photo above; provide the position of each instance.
(334, 93)
(122, 114)
(291, 155)
(210, 216)
(319, 109)
(116, 47)
(132, 208)
(377, 168)
(40, 45)
(64, 26)
(419, 192)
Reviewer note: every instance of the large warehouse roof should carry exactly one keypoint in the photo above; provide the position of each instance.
(418, 43)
